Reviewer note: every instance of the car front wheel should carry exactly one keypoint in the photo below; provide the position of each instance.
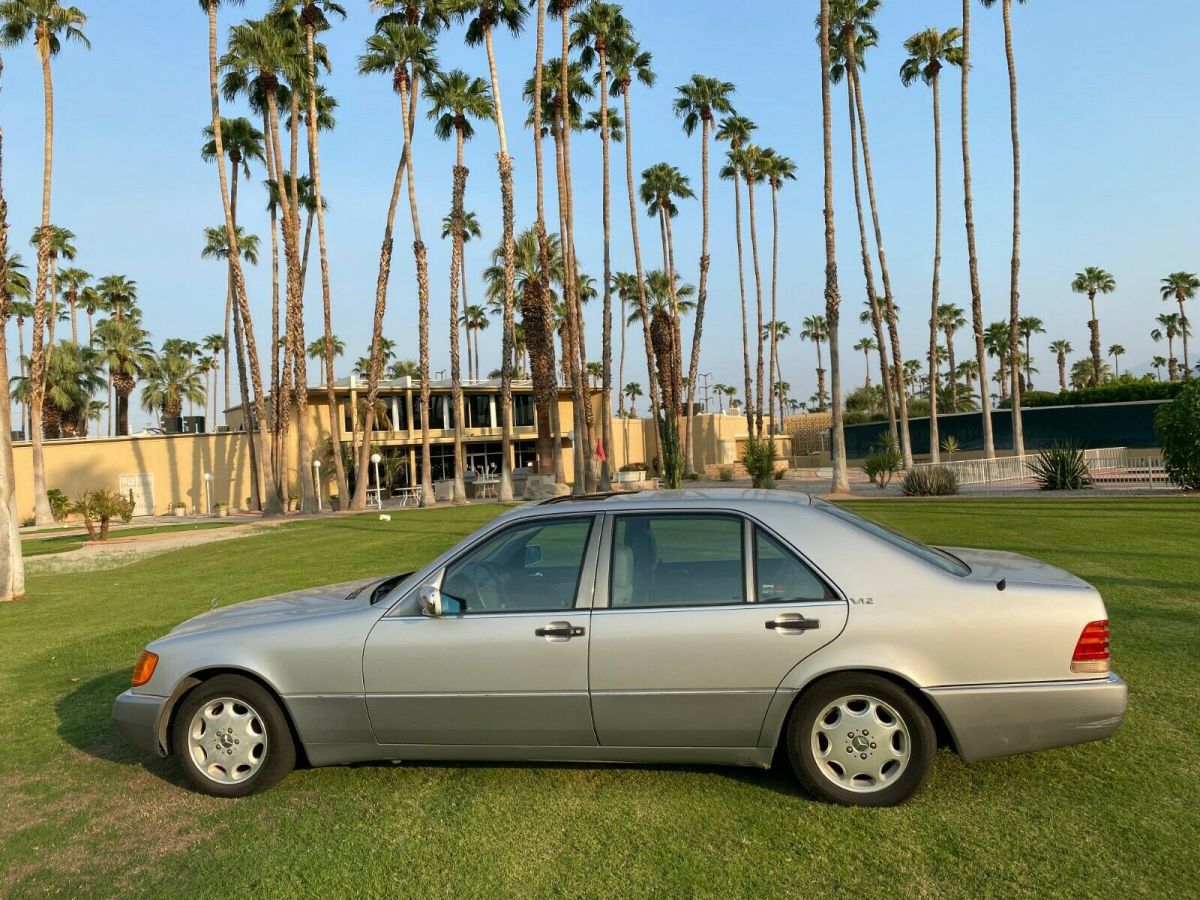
(860, 740)
(232, 738)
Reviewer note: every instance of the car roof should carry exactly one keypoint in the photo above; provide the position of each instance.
(687, 498)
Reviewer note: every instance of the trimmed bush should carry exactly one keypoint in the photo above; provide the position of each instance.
(1061, 468)
(1178, 428)
(759, 459)
(1116, 392)
(930, 481)
(725, 473)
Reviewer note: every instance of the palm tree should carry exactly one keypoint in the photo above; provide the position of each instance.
(1029, 326)
(996, 342)
(866, 345)
(777, 169)
(1181, 286)
(981, 350)
(170, 380)
(597, 27)
(475, 320)
(1158, 362)
(752, 159)
(698, 102)
(928, 51)
(855, 33)
(124, 348)
(1171, 326)
(404, 368)
(1061, 348)
(455, 98)
(736, 131)
(318, 349)
(1085, 374)
(816, 329)
(633, 390)
(73, 375)
(74, 282)
(625, 285)
(1116, 351)
(631, 63)
(486, 15)
(215, 344)
(468, 225)
(832, 300)
(1092, 281)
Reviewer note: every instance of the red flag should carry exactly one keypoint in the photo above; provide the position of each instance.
(600, 454)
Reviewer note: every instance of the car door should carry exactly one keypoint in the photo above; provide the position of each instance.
(699, 619)
(508, 665)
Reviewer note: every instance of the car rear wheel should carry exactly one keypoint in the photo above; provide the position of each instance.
(860, 740)
(232, 738)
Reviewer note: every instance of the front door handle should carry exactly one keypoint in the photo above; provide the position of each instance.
(792, 623)
(559, 631)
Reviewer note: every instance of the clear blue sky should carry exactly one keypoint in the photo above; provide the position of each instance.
(1108, 131)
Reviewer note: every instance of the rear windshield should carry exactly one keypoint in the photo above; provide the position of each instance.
(939, 558)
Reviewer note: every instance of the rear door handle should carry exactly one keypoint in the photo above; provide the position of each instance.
(792, 623)
(560, 631)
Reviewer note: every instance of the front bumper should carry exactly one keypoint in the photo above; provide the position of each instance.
(1000, 720)
(137, 718)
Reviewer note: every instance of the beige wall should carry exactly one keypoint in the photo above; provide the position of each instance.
(177, 464)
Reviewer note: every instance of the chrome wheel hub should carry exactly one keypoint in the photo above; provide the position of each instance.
(227, 741)
(860, 743)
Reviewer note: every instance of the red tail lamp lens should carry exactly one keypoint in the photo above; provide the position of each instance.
(1091, 650)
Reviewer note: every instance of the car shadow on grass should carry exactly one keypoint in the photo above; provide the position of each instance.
(85, 722)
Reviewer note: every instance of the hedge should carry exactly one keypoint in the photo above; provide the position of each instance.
(1109, 393)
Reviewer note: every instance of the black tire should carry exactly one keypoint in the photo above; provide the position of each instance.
(278, 750)
(811, 772)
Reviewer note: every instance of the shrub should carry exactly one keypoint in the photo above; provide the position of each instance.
(28, 521)
(1178, 428)
(883, 463)
(691, 476)
(930, 481)
(1115, 392)
(634, 467)
(98, 509)
(725, 473)
(1061, 467)
(759, 459)
(59, 503)
(950, 446)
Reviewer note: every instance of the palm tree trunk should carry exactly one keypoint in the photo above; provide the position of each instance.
(606, 328)
(1062, 372)
(774, 364)
(571, 375)
(701, 298)
(758, 396)
(832, 300)
(456, 212)
(1094, 328)
(504, 167)
(1014, 346)
(1187, 367)
(256, 469)
(643, 306)
(934, 442)
(985, 403)
(737, 225)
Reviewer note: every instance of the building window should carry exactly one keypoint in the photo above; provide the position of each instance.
(522, 410)
(443, 412)
(525, 454)
(478, 408)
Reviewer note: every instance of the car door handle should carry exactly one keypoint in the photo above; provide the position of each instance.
(790, 623)
(560, 631)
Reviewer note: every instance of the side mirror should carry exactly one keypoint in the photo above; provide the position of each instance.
(430, 599)
(533, 554)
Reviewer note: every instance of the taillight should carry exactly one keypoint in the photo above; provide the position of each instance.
(143, 669)
(1091, 650)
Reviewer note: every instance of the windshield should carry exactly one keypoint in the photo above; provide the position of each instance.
(940, 558)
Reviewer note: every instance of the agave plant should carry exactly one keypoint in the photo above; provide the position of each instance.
(1061, 467)
(930, 481)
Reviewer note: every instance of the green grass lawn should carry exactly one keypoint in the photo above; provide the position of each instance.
(64, 542)
(85, 816)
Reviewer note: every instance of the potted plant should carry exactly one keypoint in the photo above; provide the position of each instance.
(178, 508)
(221, 509)
(632, 472)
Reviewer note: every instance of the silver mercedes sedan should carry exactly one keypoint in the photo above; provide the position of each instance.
(696, 626)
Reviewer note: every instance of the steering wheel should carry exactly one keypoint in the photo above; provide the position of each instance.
(478, 586)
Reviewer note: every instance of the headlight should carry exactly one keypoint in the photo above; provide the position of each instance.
(143, 669)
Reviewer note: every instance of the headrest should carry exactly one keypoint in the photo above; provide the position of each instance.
(622, 567)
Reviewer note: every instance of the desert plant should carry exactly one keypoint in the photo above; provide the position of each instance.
(1178, 428)
(1061, 467)
(930, 481)
(883, 462)
(725, 473)
(950, 446)
(98, 509)
(59, 503)
(28, 521)
(759, 458)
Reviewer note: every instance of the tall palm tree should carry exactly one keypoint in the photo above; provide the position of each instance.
(170, 380)
(12, 283)
(777, 331)
(318, 348)
(752, 157)
(485, 17)
(49, 24)
(1171, 325)
(597, 27)
(928, 51)
(468, 225)
(699, 102)
(124, 348)
(1181, 286)
(736, 131)
(1158, 362)
(624, 285)
(215, 344)
(1015, 267)
(633, 390)
(475, 320)
(1116, 351)
(631, 63)
(455, 98)
(264, 472)
(950, 319)
(1061, 348)
(832, 299)
(74, 281)
(1028, 326)
(1085, 374)
(816, 329)
(404, 52)
(1092, 281)
(996, 341)
(854, 34)
(866, 345)
(777, 169)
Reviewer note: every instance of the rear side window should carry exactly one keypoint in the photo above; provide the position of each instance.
(932, 555)
(677, 560)
(780, 576)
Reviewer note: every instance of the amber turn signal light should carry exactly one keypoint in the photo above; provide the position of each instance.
(143, 669)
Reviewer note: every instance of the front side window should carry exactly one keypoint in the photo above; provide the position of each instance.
(780, 577)
(533, 567)
(677, 560)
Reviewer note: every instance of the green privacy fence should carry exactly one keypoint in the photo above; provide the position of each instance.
(1100, 425)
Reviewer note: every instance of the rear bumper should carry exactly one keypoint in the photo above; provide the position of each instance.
(999, 720)
(137, 718)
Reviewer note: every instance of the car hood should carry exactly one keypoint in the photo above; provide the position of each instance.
(330, 599)
(994, 565)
